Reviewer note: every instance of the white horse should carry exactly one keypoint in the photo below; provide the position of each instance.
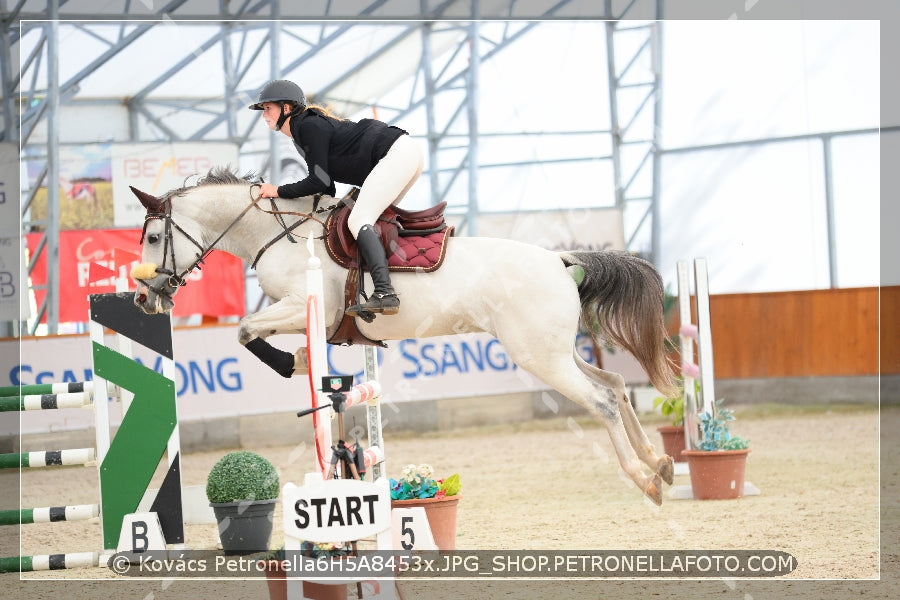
(524, 295)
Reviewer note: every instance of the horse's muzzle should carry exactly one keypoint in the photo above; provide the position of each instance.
(153, 300)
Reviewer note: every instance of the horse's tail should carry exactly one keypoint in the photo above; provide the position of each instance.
(622, 302)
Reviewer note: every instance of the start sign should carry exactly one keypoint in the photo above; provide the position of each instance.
(336, 510)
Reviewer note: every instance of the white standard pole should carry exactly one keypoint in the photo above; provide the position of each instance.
(704, 338)
(318, 360)
(123, 343)
(691, 420)
(373, 412)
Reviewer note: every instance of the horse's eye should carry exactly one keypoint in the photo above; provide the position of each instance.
(153, 238)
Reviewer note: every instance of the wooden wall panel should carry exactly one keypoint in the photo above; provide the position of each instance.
(890, 330)
(802, 333)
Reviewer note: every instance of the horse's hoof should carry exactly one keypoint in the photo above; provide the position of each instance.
(654, 491)
(665, 467)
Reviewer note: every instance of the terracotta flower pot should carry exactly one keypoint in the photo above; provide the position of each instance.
(441, 513)
(673, 441)
(276, 579)
(324, 591)
(717, 474)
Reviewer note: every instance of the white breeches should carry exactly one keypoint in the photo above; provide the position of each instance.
(388, 182)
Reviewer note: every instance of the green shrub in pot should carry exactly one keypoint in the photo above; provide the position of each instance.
(242, 488)
(242, 475)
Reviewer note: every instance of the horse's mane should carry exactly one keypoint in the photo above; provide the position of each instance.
(216, 176)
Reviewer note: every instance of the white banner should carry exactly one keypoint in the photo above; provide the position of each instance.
(156, 168)
(216, 377)
(12, 258)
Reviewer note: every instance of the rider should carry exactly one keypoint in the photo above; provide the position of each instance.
(381, 159)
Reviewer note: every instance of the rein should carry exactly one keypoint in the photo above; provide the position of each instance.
(304, 217)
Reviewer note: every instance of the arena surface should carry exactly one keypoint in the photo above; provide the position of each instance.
(555, 484)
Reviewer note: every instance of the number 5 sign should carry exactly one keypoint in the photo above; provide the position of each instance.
(411, 530)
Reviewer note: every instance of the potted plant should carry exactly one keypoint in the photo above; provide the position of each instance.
(276, 576)
(417, 487)
(242, 488)
(717, 467)
(672, 435)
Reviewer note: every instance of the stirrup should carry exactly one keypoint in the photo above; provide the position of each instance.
(384, 304)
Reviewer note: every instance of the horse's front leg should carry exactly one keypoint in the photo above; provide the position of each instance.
(288, 315)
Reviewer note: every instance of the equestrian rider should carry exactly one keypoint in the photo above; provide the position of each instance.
(381, 159)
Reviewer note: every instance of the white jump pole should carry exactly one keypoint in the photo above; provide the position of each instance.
(704, 339)
(373, 412)
(694, 406)
(317, 356)
(689, 369)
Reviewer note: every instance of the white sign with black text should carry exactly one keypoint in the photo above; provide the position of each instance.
(336, 510)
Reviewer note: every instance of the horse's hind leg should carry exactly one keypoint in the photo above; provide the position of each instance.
(663, 465)
(602, 401)
(606, 402)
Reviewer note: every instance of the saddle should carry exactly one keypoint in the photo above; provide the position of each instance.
(413, 241)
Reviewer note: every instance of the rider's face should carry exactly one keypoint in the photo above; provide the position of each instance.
(270, 113)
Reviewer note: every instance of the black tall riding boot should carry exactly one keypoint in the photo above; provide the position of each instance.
(384, 300)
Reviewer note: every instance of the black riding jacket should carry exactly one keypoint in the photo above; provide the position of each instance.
(336, 150)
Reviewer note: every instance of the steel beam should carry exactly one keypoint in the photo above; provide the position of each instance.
(52, 252)
(625, 112)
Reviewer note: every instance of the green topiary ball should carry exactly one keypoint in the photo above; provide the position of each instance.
(241, 476)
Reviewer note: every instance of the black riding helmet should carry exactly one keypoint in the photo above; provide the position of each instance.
(283, 92)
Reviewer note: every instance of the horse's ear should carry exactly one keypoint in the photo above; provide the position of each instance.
(151, 203)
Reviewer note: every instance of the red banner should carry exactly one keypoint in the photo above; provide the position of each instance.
(90, 261)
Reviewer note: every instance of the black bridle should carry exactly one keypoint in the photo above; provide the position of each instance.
(175, 279)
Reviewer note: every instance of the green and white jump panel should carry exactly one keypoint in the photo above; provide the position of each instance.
(126, 463)
(149, 426)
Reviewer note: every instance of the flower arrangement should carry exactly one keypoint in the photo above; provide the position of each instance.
(312, 550)
(325, 549)
(418, 482)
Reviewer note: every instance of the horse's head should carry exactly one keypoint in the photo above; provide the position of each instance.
(169, 254)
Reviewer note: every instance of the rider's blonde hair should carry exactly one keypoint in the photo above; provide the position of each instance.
(324, 111)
